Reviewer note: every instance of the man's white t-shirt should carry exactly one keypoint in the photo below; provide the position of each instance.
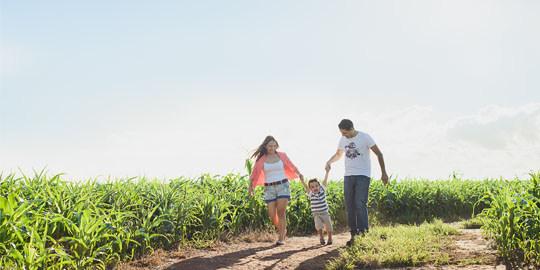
(357, 150)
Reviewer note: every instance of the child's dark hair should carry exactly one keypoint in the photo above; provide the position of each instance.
(314, 180)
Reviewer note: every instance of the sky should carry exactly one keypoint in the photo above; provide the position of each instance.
(165, 89)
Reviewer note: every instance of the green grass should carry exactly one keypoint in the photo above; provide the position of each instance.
(397, 246)
(473, 223)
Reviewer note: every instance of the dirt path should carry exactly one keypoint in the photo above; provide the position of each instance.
(303, 252)
(470, 251)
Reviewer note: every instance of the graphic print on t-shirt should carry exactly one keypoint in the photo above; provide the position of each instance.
(351, 151)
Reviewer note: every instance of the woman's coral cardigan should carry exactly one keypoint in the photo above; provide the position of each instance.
(257, 176)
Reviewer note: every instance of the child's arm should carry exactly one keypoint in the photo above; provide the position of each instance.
(325, 181)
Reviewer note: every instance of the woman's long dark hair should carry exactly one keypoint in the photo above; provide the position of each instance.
(261, 150)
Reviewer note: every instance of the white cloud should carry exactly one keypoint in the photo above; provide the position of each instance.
(495, 141)
(497, 127)
(216, 135)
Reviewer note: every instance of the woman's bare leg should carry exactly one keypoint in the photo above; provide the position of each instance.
(282, 215)
(272, 214)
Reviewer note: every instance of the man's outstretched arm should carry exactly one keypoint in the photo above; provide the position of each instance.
(334, 158)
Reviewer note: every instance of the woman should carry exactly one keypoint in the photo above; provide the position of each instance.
(274, 170)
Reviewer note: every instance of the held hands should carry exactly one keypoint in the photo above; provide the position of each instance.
(327, 167)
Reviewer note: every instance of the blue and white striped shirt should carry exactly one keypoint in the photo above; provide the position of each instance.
(318, 201)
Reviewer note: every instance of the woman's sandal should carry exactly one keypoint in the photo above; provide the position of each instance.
(322, 241)
(280, 243)
(329, 242)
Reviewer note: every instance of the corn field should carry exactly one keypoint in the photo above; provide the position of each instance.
(513, 221)
(50, 223)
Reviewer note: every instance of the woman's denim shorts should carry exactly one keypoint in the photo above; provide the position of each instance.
(279, 191)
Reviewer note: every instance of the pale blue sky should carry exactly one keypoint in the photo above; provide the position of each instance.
(168, 88)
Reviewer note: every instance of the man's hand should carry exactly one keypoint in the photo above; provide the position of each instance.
(384, 178)
(334, 158)
(327, 167)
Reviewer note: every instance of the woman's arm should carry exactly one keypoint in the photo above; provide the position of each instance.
(299, 175)
(250, 189)
(255, 173)
(287, 160)
(302, 179)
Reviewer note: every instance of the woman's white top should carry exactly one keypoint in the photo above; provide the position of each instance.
(274, 172)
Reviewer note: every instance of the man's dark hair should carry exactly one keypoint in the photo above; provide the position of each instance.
(346, 124)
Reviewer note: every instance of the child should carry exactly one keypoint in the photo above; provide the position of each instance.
(319, 207)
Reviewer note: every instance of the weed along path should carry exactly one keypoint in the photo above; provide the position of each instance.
(466, 250)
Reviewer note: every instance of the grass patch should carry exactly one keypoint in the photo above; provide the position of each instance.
(473, 261)
(398, 246)
(473, 223)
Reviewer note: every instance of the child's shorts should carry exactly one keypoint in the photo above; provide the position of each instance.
(274, 192)
(322, 218)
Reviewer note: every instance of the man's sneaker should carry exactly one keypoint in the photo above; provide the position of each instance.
(362, 233)
(350, 242)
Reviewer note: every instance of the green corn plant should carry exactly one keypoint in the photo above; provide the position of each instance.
(49, 223)
(513, 221)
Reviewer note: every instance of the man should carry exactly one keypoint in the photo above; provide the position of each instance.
(356, 146)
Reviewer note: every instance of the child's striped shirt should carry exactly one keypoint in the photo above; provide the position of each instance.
(318, 201)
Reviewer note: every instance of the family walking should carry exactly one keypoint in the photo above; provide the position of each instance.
(274, 170)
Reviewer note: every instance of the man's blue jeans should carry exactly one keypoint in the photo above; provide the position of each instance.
(356, 189)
